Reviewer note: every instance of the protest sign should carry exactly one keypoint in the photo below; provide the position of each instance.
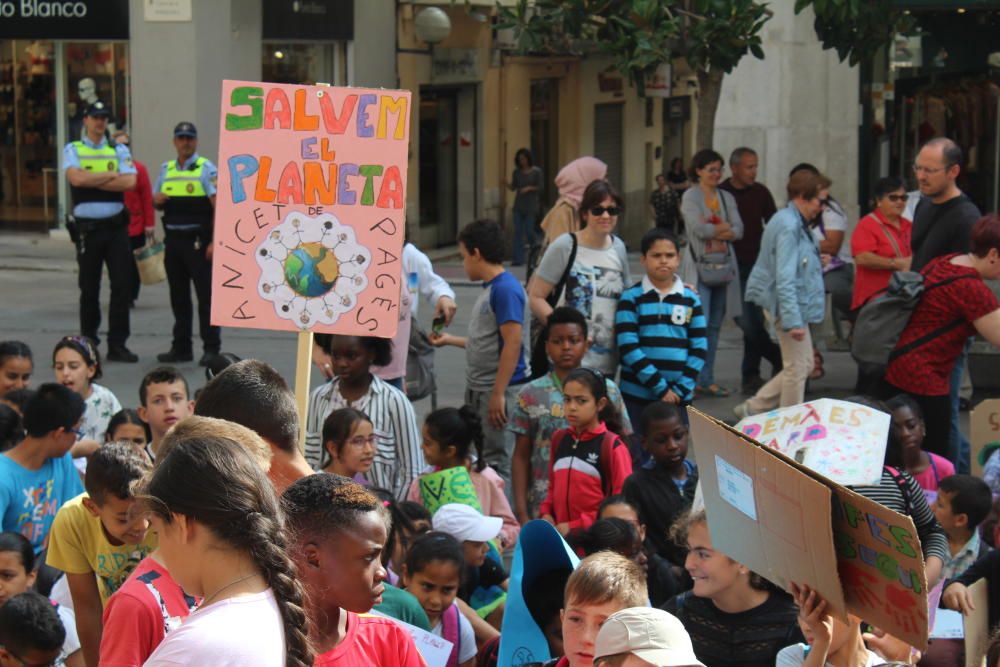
(842, 441)
(451, 485)
(984, 431)
(791, 524)
(310, 216)
(977, 626)
(433, 649)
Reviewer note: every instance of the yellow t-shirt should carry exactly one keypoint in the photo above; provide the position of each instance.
(78, 545)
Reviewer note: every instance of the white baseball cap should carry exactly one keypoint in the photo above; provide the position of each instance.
(650, 634)
(466, 524)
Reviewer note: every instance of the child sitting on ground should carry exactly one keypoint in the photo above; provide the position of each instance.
(663, 488)
(17, 575)
(449, 435)
(962, 503)
(640, 636)
(16, 366)
(602, 585)
(908, 430)
(433, 573)
(127, 426)
(77, 364)
(588, 458)
(829, 641)
(483, 578)
(37, 475)
(349, 441)
(98, 538)
(339, 531)
(163, 401)
(31, 632)
(540, 411)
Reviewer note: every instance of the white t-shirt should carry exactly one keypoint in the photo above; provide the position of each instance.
(795, 655)
(72, 642)
(101, 406)
(244, 631)
(466, 638)
(835, 220)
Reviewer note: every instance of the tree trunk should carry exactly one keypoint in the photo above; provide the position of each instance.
(709, 91)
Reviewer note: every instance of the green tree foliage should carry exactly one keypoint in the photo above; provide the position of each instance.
(855, 29)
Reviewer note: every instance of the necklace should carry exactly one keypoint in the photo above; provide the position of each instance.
(206, 601)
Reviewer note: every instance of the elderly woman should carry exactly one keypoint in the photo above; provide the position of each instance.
(881, 241)
(787, 282)
(947, 315)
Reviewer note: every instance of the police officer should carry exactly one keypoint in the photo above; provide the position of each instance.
(185, 192)
(99, 173)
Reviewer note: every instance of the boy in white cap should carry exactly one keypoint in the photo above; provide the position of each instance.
(467, 525)
(643, 637)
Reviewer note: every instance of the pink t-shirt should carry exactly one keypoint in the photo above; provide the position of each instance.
(141, 613)
(938, 469)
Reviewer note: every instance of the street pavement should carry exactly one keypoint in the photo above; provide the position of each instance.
(40, 295)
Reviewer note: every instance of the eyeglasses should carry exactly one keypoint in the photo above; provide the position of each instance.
(360, 441)
(598, 211)
(24, 663)
(75, 431)
(918, 169)
(896, 198)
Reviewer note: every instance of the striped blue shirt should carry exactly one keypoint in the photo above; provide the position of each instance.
(661, 340)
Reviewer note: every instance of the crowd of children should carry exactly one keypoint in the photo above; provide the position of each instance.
(195, 531)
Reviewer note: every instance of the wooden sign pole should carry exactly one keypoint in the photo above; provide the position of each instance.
(303, 369)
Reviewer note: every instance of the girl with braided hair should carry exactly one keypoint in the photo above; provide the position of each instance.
(222, 538)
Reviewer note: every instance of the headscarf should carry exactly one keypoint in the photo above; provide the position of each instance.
(574, 178)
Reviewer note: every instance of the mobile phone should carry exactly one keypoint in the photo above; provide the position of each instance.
(437, 325)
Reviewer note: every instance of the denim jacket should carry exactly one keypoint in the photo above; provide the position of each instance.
(787, 279)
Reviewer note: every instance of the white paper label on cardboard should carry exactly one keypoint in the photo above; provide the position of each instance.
(948, 624)
(736, 487)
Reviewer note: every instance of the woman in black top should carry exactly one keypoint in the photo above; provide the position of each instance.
(735, 618)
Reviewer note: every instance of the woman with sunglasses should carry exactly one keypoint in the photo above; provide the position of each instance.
(880, 243)
(713, 221)
(590, 268)
(787, 282)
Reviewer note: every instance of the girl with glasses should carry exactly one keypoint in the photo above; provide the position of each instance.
(349, 440)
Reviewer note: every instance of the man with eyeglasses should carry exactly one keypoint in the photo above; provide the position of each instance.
(942, 225)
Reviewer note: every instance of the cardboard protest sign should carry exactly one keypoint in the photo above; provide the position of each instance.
(842, 441)
(791, 524)
(451, 485)
(984, 431)
(977, 626)
(310, 217)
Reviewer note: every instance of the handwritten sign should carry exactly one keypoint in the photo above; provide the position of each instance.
(433, 649)
(451, 485)
(842, 441)
(984, 430)
(310, 210)
(863, 558)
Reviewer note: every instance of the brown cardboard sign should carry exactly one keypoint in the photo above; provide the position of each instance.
(985, 429)
(790, 524)
(977, 626)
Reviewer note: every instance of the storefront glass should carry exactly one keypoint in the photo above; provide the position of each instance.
(305, 63)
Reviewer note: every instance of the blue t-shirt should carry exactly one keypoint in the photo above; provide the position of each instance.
(503, 300)
(29, 499)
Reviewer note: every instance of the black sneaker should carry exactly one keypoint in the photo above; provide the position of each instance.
(121, 353)
(207, 358)
(174, 356)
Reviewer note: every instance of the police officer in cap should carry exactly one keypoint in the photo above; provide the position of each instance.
(185, 192)
(99, 173)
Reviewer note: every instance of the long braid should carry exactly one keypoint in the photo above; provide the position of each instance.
(267, 545)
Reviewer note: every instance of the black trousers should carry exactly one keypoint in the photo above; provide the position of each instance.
(136, 242)
(98, 247)
(186, 264)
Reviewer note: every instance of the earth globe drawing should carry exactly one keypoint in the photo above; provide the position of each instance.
(312, 269)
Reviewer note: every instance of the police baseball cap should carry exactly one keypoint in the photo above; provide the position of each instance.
(98, 109)
(186, 129)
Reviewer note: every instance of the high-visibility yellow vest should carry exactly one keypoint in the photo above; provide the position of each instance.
(102, 159)
(188, 207)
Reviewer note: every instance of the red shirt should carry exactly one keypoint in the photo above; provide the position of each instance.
(139, 202)
(140, 614)
(371, 640)
(925, 370)
(870, 236)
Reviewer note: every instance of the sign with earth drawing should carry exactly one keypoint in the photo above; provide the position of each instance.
(310, 210)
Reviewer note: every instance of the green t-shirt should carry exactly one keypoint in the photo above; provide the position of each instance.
(397, 603)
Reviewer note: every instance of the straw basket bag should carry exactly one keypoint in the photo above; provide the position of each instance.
(149, 259)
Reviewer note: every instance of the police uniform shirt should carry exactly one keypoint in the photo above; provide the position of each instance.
(209, 175)
(101, 209)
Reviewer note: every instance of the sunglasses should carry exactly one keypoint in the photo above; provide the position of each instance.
(896, 198)
(598, 211)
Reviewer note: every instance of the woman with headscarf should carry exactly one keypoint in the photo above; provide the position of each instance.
(571, 181)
